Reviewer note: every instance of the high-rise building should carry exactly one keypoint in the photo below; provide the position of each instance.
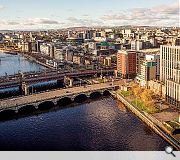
(156, 58)
(147, 72)
(140, 59)
(170, 72)
(126, 64)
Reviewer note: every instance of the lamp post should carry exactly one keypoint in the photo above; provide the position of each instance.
(32, 90)
(160, 106)
(101, 74)
(112, 82)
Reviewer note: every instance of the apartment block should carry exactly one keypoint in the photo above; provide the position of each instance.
(126, 64)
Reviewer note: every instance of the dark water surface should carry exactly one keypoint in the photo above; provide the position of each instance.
(102, 124)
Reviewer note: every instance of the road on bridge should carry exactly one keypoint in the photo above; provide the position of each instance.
(19, 101)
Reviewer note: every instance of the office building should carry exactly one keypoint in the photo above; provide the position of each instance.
(147, 73)
(170, 72)
(156, 58)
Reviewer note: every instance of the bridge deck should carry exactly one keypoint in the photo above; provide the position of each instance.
(19, 101)
(32, 78)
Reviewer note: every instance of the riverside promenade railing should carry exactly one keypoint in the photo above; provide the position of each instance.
(155, 124)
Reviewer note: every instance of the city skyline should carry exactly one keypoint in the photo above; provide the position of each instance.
(54, 14)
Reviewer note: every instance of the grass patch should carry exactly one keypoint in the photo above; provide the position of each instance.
(173, 124)
(100, 80)
(152, 110)
(126, 93)
(140, 105)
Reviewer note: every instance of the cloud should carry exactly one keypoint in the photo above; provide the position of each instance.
(85, 21)
(33, 22)
(69, 10)
(167, 9)
(37, 21)
(163, 15)
(1, 7)
(9, 23)
(12, 23)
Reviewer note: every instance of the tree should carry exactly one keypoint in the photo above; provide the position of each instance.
(137, 91)
(146, 95)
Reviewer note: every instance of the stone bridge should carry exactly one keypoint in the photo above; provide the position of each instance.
(56, 97)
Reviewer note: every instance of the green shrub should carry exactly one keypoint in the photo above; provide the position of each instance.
(126, 93)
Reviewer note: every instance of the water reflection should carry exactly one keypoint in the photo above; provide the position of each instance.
(97, 125)
(11, 64)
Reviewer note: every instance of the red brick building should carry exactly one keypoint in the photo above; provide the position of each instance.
(126, 64)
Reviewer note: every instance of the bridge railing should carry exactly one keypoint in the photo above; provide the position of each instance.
(19, 102)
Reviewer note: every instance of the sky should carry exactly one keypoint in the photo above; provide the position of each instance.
(56, 14)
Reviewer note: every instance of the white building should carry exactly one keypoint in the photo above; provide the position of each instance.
(136, 45)
(60, 55)
(170, 72)
(127, 33)
(45, 49)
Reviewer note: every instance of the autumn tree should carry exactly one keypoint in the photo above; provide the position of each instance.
(137, 90)
(146, 95)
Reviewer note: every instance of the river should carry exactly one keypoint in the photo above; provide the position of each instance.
(103, 124)
(12, 64)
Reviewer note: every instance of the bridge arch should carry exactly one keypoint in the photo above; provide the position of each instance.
(7, 114)
(64, 101)
(80, 98)
(26, 109)
(95, 95)
(46, 105)
(106, 93)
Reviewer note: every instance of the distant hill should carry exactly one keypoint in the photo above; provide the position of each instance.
(6, 31)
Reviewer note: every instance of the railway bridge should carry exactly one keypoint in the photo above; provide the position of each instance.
(23, 81)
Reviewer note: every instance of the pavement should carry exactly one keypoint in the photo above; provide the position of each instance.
(168, 112)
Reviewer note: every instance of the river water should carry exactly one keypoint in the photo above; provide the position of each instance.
(102, 124)
(11, 64)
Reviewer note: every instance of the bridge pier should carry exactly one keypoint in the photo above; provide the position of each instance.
(36, 106)
(68, 81)
(16, 111)
(55, 102)
(24, 89)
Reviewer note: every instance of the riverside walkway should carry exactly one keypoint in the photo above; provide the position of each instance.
(156, 125)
